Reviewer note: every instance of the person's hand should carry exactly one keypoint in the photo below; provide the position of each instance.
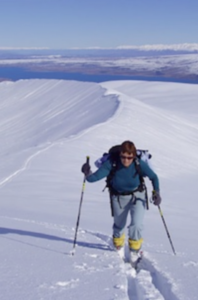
(156, 198)
(86, 169)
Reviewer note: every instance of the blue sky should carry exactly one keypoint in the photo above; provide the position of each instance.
(97, 23)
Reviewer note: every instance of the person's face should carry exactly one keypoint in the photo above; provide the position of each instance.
(126, 158)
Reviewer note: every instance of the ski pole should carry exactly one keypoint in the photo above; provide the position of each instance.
(168, 234)
(79, 211)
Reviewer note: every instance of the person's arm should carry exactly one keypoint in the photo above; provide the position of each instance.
(147, 171)
(101, 173)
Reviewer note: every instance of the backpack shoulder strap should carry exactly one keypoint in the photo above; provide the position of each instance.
(139, 172)
(114, 159)
(142, 186)
(137, 167)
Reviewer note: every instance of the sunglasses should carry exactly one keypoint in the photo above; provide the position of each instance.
(126, 157)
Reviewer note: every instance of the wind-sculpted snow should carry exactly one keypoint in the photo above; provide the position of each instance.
(169, 125)
(42, 111)
(36, 113)
(47, 130)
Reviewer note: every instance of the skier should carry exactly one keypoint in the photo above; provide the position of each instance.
(127, 196)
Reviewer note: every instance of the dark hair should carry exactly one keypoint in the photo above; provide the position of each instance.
(128, 147)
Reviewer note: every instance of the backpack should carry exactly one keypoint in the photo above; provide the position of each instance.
(114, 152)
(114, 156)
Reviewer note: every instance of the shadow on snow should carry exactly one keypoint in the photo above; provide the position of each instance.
(98, 246)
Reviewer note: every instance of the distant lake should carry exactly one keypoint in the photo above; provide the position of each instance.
(17, 73)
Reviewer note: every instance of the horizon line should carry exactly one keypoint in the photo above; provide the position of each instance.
(147, 47)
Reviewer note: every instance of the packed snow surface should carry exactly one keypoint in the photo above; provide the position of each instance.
(48, 127)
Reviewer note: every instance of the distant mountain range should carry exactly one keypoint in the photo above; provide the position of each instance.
(179, 61)
(125, 50)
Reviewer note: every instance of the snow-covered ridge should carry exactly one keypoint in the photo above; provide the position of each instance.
(150, 122)
(37, 113)
(48, 127)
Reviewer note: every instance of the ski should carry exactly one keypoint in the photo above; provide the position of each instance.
(121, 253)
(136, 266)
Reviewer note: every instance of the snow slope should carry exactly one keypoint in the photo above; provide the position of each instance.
(48, 127)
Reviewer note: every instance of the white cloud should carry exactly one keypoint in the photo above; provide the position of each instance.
(158, 47)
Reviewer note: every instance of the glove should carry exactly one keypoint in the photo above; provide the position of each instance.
(156, 198)
(86, 169)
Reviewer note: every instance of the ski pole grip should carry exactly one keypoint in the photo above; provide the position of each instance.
(87, 159)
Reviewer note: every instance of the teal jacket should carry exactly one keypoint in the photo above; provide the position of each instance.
(123, 179)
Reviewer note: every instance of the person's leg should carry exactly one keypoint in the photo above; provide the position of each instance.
(121, 208)
(137, 211)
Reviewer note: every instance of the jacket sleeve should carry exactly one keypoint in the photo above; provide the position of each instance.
(101, 173)
(148, 172)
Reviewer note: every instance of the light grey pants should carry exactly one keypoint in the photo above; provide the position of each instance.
(122, 206)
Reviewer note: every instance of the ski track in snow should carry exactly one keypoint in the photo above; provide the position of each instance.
(151, 283)
(25, 165)
(148, 284)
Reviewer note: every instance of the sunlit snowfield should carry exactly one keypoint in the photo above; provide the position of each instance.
(48, 127)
